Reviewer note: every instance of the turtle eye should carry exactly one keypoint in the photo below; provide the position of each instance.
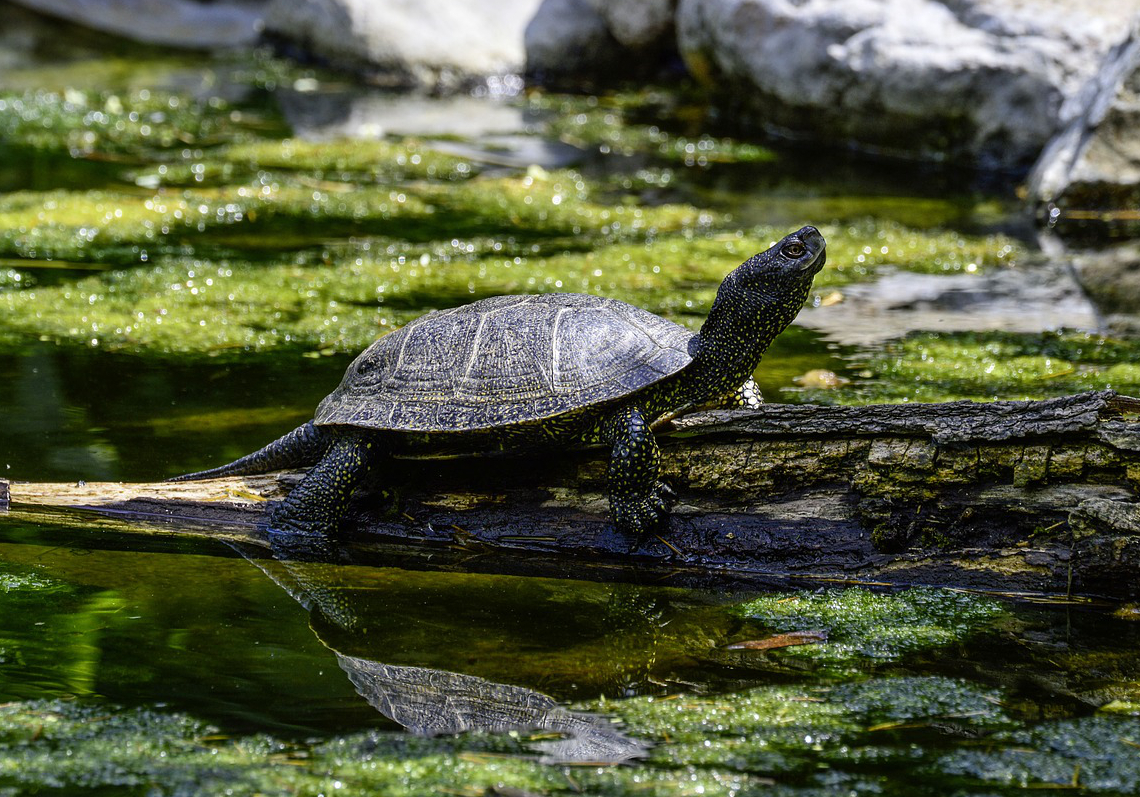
(793, 250)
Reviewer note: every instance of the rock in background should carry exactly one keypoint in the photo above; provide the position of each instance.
(1087, 181)
(986, 83)
(1111, 278)
(980, 81)
(430, 43)
(177, 23)
(599, 40)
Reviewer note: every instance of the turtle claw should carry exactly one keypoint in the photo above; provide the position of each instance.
(643, 516)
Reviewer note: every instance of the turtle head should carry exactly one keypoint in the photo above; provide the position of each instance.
(754, 304)
(785, 270)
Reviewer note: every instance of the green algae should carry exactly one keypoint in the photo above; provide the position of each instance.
(337, 162)
(14, 279)
(134, 125)
(905, 730)
(944, 366)
(321, 246)
(868, 245)
(1096, 755)
(507, 234)
(770, 740)
(612, 124)
(867, 628)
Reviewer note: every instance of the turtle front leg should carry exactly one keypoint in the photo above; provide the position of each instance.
(315, 506)
(747, 396)
(637, 499)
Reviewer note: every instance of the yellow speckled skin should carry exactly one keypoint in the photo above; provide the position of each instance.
(553, 370)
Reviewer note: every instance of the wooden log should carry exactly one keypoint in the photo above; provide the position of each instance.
(1011, 496)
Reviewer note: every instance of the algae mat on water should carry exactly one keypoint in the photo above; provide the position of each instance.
(901, 731)
(216, 235)
(947, 366)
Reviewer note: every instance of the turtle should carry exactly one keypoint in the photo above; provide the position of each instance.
(552, 370)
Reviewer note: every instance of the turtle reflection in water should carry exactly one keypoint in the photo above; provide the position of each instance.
(425, 700)
(554, 370)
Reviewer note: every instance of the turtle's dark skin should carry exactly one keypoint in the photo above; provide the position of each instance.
(554, 370)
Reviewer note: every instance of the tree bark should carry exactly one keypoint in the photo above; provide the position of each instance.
(1009, 496)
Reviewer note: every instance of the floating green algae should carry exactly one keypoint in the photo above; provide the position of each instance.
(770, 740)
(133, 125)
(322, 246)
(613, 124)
(1097, 755)
(136, 227)
(410, 251)
(945, 366)
(332, 162)
(866, 628)
(14, 279)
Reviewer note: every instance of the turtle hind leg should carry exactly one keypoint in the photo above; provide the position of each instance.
(302, 446)
(316, 505)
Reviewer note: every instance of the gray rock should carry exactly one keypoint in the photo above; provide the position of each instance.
(1089, 174)
(1042, 296)
(1111, 278)
(174, 23)
(975, 80)
(569, 39)
(417, 42)
(639, 24)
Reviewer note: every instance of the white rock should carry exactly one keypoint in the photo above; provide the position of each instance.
(417, 38)
(175, 23)
(981, 80)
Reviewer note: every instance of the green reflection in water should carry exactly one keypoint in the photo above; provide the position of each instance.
(187, 666)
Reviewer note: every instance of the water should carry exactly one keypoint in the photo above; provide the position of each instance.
(394, 648)
(146, 660)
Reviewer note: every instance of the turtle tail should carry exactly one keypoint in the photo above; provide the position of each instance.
(305, 445)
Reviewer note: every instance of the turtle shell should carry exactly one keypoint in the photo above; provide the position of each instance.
(506, 360)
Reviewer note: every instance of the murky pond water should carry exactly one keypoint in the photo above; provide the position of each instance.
(191, 251)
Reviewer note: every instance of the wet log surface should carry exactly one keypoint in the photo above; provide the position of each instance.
(1010, 496)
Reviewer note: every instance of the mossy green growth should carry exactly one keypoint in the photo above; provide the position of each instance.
(330, 163)
(611, 124)
(778, 740)
(944, 366)
(285, 211)
(867, 628)
(323, 246)
(864, 246)
(1095, 755)
(794, 732)
(134, 124)
(14, 279)
(517, 234)
(809, 740)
